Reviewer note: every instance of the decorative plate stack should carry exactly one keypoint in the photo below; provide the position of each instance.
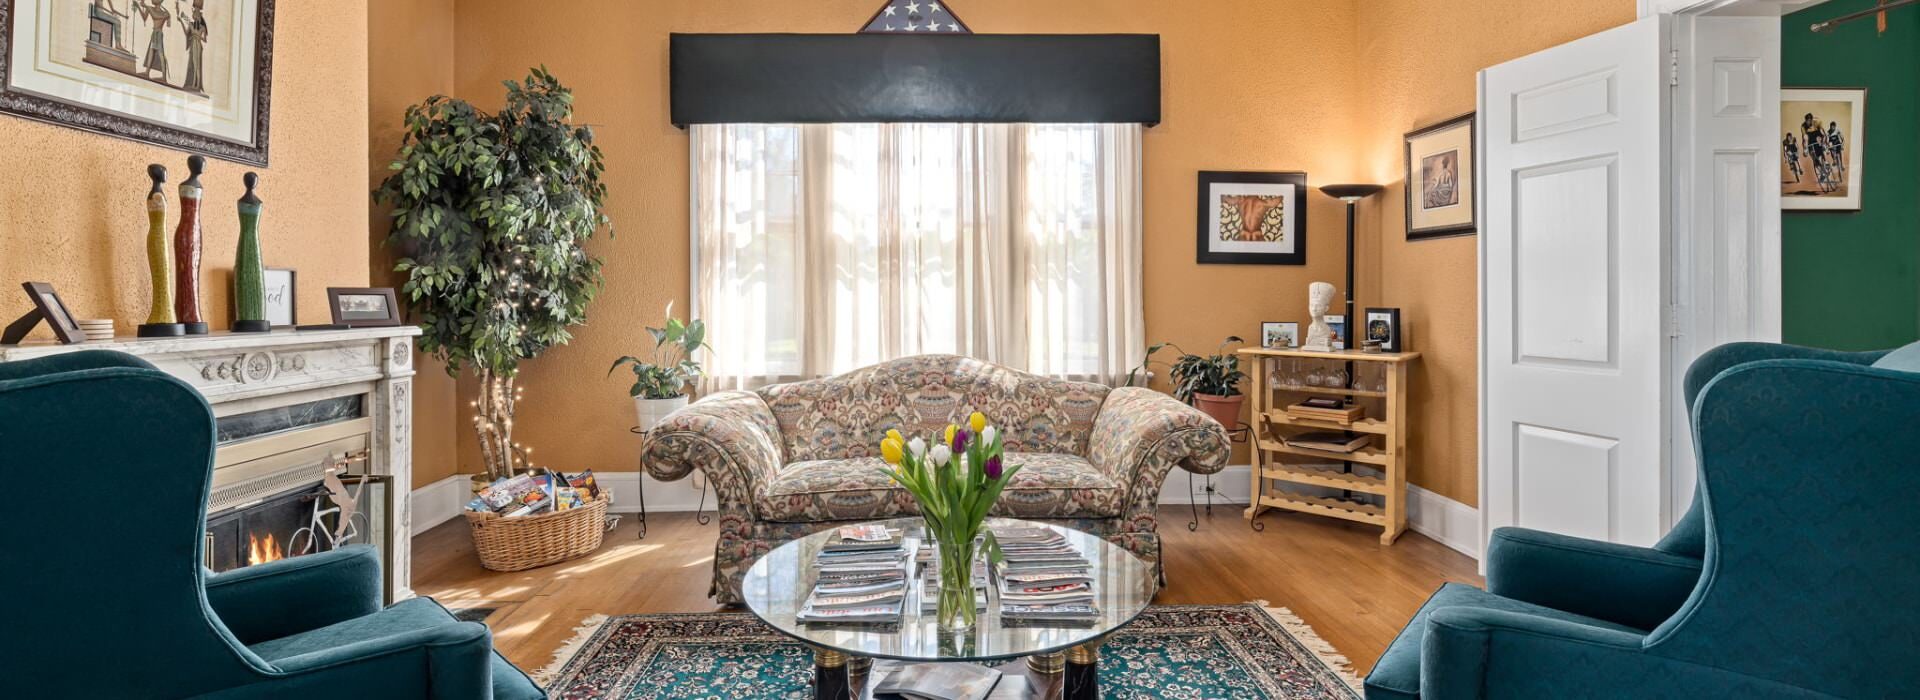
(96, 328)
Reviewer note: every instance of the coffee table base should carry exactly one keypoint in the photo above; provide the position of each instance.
(1070, 675)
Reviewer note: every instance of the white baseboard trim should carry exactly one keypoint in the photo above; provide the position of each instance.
(1444, 520)
(440, 501)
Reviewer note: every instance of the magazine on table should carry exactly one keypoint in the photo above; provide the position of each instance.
(940, 681)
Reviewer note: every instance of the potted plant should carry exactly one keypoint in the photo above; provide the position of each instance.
(660, 382)
(490, 215)
(1210, 382)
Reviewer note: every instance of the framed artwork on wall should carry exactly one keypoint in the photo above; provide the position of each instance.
(195, 75)
(1252, 218)
(1822, 148)
(1440, 185)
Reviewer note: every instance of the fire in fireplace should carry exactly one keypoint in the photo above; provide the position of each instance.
(290, 524)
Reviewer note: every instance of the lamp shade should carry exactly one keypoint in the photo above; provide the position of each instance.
(1351, 192)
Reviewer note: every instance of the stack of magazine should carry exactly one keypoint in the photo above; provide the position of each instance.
(861, 577)
(929, 565)
(1043, 578)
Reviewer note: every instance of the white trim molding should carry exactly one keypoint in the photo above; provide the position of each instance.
(1444, 520)
(440, 501)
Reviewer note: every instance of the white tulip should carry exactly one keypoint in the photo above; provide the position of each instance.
(918, 447)
(986, 436)
(940, 455)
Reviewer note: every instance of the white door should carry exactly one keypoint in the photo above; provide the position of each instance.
(1575, 143)
(1727, 215)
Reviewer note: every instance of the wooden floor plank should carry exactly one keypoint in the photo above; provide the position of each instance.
(1335, 575)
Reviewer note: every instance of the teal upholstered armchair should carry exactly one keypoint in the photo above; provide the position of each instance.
(108, 462)
(1794, 574)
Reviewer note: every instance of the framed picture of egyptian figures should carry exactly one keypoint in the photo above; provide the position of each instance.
(196, 75)
(1252, 218)
(1440, 184)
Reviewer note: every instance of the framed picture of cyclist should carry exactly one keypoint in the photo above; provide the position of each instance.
(1822, 146)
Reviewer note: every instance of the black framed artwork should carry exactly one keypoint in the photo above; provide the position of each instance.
(1252, 218)
(48, 307)
(197, 76)
(1440, 180)
(1383, 327)
(363, 307)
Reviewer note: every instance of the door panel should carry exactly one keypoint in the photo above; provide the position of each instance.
(1574, 270)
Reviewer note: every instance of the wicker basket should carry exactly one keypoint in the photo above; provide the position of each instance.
(517, 544)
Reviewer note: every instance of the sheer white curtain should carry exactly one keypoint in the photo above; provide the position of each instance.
(822, 248)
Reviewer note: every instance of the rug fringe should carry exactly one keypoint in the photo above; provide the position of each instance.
(566, 652)
(1311, 640)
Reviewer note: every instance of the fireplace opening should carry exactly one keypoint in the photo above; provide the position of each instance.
(300, 521)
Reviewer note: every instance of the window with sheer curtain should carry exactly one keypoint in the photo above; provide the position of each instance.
(822, 248)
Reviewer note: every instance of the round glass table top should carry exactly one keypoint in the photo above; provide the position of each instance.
(777, 586)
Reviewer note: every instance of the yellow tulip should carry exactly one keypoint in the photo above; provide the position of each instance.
(890, 449)
(894, 433)
(951, 429)
(978, 421)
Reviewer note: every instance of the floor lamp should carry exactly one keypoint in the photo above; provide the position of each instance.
(1351, 194)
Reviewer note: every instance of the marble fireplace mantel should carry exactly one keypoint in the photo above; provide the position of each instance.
(242, 373)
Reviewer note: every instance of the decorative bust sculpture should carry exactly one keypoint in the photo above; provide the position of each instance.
(1319, 334)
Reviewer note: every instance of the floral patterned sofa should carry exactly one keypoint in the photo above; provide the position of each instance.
(793, 459)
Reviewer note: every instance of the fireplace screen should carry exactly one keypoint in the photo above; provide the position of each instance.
(301, 521)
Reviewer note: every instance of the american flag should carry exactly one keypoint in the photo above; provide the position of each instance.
(931, 16)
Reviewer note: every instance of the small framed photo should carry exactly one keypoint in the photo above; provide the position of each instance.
(1252, 218)
(1338, 322)
(48, 307)
(363, 307)
(1822, 148)
(1440, 185)
(1279, 334)
(1383, 327)
(282, 291)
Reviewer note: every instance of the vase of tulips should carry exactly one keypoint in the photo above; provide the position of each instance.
(955, 481)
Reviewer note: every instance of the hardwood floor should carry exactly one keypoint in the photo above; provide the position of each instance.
(1334, 575)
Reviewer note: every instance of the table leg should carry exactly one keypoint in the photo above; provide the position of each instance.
(833, 675)
(1043, 674)
(1083, 672)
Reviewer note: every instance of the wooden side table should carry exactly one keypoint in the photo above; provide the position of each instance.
(1345, 373)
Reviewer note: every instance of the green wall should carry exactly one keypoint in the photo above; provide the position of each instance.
(1851, 280)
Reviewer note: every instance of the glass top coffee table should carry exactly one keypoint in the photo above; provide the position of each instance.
(1062, 658)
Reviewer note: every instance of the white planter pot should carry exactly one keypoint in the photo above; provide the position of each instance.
(650, 411)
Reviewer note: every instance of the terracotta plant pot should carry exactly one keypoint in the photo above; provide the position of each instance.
(1225, 409)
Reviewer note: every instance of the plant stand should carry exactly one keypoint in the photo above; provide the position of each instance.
(699, 512)
(1238, 434)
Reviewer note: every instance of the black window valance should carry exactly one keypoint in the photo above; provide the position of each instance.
(812, 78)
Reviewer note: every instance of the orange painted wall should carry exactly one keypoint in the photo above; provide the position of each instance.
(1417, 66)
(410, 58)
(1325, 86)
(1250, 85)
(73, 203)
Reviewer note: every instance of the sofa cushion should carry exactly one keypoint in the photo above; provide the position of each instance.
(1905, 359)
(509, 683)
(1396, 676)
(1049, 485)
(845, 416)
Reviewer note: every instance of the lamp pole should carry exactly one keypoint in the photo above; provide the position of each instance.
(1351, 195)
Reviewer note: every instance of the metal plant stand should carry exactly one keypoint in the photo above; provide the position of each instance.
(700, 514)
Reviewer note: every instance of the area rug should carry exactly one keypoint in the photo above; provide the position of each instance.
(1190, 652)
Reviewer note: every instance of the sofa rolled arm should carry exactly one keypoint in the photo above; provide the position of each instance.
(1142, 434)
(1633, 586)
(297, 594)
(731, 436)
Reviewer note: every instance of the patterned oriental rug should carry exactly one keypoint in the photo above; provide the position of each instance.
(1190, 652)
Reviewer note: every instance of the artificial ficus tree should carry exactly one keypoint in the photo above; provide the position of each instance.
(490, 215)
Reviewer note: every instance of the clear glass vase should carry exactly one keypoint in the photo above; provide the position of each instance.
(956, 611)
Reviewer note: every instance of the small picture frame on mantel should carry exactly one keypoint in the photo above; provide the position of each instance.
(363, 307)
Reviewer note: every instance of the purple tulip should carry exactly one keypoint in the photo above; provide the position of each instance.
(993, 467)
(960, 441)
